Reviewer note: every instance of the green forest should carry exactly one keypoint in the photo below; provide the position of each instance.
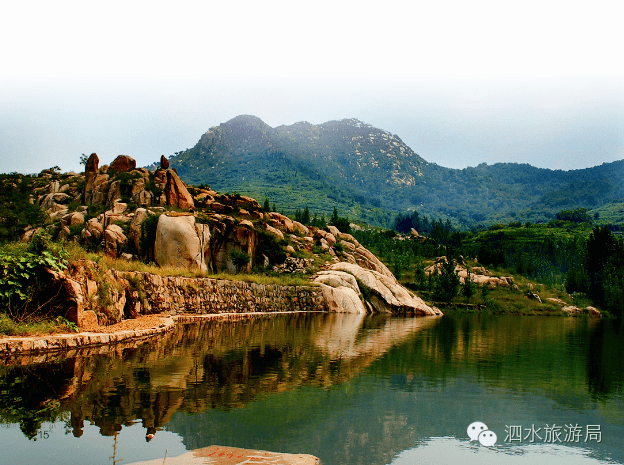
(569, 254)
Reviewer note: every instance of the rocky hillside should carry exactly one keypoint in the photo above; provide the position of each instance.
(135, 214)
(345, 163)
(370, 174)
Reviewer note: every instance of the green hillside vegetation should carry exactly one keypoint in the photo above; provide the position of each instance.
(16, 211)
(370, 175)
(573, 261)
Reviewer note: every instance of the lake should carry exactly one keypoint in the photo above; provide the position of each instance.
(349, 389)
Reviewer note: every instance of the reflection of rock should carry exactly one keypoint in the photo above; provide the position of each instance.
(228, 364)
(219, 455)
(343, 336)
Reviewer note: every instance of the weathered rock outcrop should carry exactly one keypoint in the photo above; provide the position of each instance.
(110, 296)
(176, 192)
(341, 291)
(217, 232)
(230, 236)
(182, 243)
(134, 233)
(92, 164)
(122, 164)
(96, 188)
(380, 292)
(573, 310)
(93, 231)
(114, 240)
(478, 275)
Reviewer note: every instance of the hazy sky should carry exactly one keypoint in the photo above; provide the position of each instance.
(462, 83)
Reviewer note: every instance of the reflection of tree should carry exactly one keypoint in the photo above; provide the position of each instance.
(31, 395)
(445, 333)
(605, 359)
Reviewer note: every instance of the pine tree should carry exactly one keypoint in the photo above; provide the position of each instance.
(334, 217)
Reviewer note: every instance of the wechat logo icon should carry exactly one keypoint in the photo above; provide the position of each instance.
(479, 431)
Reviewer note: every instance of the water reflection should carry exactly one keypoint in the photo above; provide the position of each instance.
(348, 388)
(209, 365)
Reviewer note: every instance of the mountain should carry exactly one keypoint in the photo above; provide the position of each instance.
(370, 174)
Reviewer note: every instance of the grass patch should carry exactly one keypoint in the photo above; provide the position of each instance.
(282, 280)
(9, 327)
(106, 262)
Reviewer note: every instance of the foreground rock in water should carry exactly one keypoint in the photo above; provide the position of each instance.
(219, 455)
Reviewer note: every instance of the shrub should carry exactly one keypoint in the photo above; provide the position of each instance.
(446, 284)
(468, 288)
(16, 212)
(239, 259)
(148, 236)
(20, 269)
(268, 245)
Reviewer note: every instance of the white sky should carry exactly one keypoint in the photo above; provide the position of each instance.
(462, 83)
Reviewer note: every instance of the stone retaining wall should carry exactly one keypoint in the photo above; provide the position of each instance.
(147, 293)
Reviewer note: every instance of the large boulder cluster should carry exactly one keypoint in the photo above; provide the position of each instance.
(131, 212)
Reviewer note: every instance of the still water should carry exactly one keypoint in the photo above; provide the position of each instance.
(348, 389)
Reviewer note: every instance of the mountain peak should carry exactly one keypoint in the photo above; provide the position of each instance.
(246, 120)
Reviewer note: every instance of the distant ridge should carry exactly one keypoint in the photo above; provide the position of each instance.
(370, 174)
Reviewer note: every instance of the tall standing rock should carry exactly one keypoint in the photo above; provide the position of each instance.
(95, 183)
(164, 163)
(176, 193)
(92, 164)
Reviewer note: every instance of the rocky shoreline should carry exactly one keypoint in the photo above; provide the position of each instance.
(38, 349)
(65, 343)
